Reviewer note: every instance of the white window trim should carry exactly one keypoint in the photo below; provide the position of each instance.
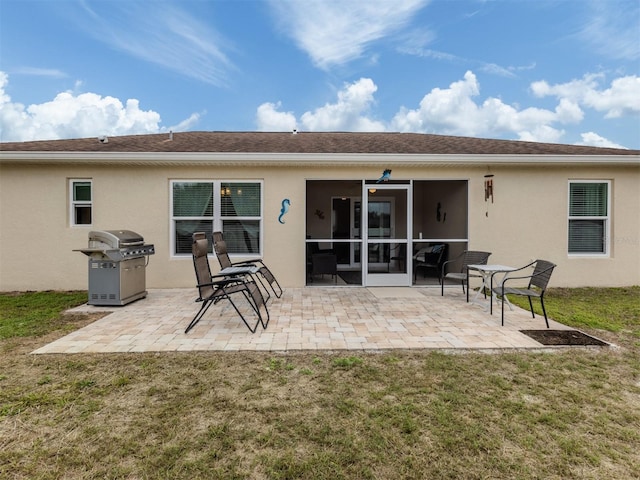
(607, 220)
(73, 203)
(217, 213)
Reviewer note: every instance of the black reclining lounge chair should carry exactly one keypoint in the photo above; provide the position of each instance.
(214, 288)
(220, 247)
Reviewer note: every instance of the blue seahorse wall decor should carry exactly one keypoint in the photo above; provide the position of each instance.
(285, 208)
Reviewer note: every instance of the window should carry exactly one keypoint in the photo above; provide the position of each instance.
(589, 217)
(81, 202)
(235, 208)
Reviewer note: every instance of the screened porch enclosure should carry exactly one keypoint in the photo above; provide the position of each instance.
(406, 230)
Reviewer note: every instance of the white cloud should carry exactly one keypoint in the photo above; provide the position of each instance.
(185, 124)
(541, 133)
(348, 113)
(448, 111)
(269, 119)
(334, 33)
(595, 140)
(495, 69)
(611, 29)
(162, 34)
(76, 116)
(39, 72)
(568, 111)
(620, 99)
(415, 44)
(453, 111)
(444, 110)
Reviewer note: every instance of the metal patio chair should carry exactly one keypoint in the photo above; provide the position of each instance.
(220, 247)
(321, 262)
(538, 282)
(468, 257)
(214, 288)
(429, 258)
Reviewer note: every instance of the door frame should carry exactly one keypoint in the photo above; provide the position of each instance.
(387, 279)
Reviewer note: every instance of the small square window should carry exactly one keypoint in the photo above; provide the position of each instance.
(82, 215)
(82, 191)
(81, 202)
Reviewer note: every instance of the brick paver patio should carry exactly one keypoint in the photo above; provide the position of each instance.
(313, 318)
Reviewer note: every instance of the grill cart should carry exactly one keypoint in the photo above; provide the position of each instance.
(117, 266)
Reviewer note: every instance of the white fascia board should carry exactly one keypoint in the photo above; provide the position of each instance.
(308, 159)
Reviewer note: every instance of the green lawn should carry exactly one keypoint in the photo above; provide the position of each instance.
(34, 313)
(611, 309)
(572, 414)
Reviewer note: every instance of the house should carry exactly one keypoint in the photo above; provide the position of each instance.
(279, 195)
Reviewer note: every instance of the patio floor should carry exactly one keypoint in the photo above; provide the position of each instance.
(313, 318)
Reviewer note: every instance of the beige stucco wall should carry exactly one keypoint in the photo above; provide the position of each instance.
(527, 220)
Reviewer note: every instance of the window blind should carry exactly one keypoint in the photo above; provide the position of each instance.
(193, 199)
(240, 199)
(588, 216)
(240, 204)
(242, 236)
(587, 236)
(588, 200)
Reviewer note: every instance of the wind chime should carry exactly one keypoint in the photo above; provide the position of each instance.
(488, 187)
(488, 190)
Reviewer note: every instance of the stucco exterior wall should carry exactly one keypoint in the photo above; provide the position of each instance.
(527, 220)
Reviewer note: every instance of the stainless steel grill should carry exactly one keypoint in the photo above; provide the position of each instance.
(117, 266)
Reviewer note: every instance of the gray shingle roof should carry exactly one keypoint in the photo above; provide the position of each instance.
(309, 142)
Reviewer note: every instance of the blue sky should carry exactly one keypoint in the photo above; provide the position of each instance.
(563, 71)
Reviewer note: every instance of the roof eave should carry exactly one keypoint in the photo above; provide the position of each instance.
(306, 159)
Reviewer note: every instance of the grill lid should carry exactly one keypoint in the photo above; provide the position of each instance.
(114, 238)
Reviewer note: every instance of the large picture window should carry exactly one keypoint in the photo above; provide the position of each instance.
(81, 202)
(233, 207)
(589, 217)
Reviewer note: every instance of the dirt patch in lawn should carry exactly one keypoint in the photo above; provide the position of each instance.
(564, 337)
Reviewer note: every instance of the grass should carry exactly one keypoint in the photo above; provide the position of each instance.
(573, 414)
(613, 309)
(34, 313)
